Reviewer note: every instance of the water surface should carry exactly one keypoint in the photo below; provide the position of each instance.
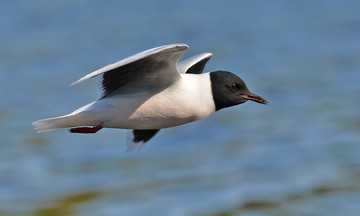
(299, 155)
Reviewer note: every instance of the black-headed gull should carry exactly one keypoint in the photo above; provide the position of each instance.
(151, 90)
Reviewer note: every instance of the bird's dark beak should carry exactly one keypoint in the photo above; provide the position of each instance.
(254, 97)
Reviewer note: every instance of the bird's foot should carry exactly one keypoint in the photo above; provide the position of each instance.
(85, 129)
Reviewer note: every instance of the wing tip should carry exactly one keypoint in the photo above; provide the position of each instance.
(82, 79)
(208, 54)
(77, 81)
(185, 46)
(182, 47)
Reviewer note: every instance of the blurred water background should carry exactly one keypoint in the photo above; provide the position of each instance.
(299, 155)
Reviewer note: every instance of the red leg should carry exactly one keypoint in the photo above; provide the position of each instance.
(85, 129)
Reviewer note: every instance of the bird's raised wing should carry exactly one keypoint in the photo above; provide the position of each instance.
(194, 64)
(151, 68)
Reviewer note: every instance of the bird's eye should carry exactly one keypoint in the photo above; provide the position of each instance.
(235, 86)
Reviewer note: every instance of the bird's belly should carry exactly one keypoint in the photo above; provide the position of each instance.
(161, 117)
(149, 113)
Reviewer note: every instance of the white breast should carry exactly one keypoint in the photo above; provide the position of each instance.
(189, 99)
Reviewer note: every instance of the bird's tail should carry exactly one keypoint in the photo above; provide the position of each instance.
(71, 120)
(80, 117)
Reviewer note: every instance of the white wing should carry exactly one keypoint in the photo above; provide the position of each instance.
(179, 49)
(153, 67)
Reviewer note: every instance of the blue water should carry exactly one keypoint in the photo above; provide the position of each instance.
(299, 155)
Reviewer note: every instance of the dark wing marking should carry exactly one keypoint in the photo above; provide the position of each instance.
(198, 67)
(194, 64)
(143, 135)
(138, 138)
(144, 72)
(154, 67)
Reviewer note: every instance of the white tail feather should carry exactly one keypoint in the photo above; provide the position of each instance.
(71, 120)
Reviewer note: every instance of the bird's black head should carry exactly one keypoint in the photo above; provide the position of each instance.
(230, 90)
